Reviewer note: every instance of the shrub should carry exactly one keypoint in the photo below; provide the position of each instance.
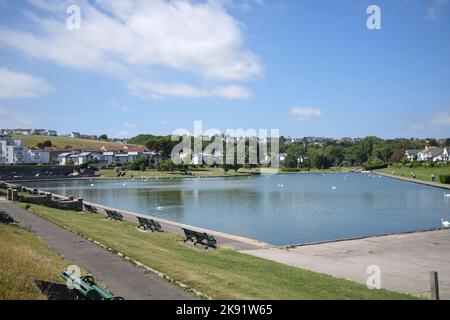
(375, 166)
(444, 178)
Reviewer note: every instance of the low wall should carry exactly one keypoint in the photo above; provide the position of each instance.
(38, 197)
(30, 172)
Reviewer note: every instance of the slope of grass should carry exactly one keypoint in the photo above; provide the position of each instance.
(63, 142)
(221, 273)
(422, 173)
(24, 257)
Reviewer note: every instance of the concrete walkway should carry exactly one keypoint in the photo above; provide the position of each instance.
(405, 260)
(120, 276)
(416, 181)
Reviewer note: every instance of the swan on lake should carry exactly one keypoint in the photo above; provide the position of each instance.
(333, 187)
(445, 223)
(447, 195)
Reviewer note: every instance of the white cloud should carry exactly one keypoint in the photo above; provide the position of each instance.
(300, 113)
(129, 38)
(157, 90)
(163, 122)
(13, 118)
(129, 125)
(435, 9)
(21, 85)
(441, 119)
(123, 134)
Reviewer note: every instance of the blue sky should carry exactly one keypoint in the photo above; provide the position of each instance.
(308, 68)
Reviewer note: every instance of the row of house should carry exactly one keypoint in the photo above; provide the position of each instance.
(16, 152)
(29, 132)
(110, 157)
(428, 154)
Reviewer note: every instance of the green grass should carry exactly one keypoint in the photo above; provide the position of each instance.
(24, 257)
(62, 142)
(422, 173)
(221, 273)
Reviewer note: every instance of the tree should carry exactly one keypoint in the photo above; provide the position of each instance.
(138, 164)
(166, 166)
(103, 137)
(318, 159)
(45, 144)
(163, 146)
(397, 156)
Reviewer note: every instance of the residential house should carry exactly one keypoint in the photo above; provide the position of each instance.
(38, 156)
(52, 133)
(16, 152)
(411, 154)
(38, 132)
(75, 135)
(63, 158)
(433, 154)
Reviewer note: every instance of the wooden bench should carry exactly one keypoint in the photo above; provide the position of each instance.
(149, 224)
(200, 238)
(114, 215)
(90, 208)
(5, 218)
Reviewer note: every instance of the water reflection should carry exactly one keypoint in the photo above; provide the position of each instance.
(305, 209)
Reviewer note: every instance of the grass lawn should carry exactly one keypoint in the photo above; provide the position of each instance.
(421, 172)
(24, 257)
(201, 172)
(62, 142)
(221, 273)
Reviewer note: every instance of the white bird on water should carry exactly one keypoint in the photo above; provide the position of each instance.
(333, 187)
(92, 184)
(280, 185)
(447, 195)
(445, 223)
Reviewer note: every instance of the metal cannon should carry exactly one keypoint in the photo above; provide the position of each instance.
(86, 288)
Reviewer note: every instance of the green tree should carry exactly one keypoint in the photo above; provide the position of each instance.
(103, 137)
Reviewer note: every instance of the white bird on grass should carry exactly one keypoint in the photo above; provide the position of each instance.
(445, 223)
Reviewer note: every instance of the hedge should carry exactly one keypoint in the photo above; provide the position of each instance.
(444, 178)
(368, 167)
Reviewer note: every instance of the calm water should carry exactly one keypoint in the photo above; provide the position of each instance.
(281, 209)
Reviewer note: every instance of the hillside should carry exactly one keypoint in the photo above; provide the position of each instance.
(67, 142)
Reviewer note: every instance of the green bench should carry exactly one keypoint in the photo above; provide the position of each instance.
(147, 224)
(5, 218)
(200, 238)
(114, 215)
(86, 288)
(90, 209)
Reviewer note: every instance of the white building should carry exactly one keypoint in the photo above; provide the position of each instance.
(433, 154)
(38, 156)
(16, 152)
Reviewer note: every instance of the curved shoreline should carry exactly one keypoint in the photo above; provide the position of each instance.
(416, 181)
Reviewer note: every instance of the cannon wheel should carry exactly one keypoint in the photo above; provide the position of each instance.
(89, 279)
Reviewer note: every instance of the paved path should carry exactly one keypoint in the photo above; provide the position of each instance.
(120, 276)
(223, 239)
(417, 181)
(405, 260)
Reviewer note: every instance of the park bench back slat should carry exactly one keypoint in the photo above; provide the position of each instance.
(114, 215)
(149, 224)
(200, 238)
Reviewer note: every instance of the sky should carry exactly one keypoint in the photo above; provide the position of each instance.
(305, 67)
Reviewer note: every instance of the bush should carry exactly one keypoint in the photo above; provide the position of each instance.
(444, 178)
(375, 166)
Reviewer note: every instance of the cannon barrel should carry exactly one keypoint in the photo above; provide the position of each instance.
(87, 289)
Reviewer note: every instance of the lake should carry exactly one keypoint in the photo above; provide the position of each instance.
(278, 209)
